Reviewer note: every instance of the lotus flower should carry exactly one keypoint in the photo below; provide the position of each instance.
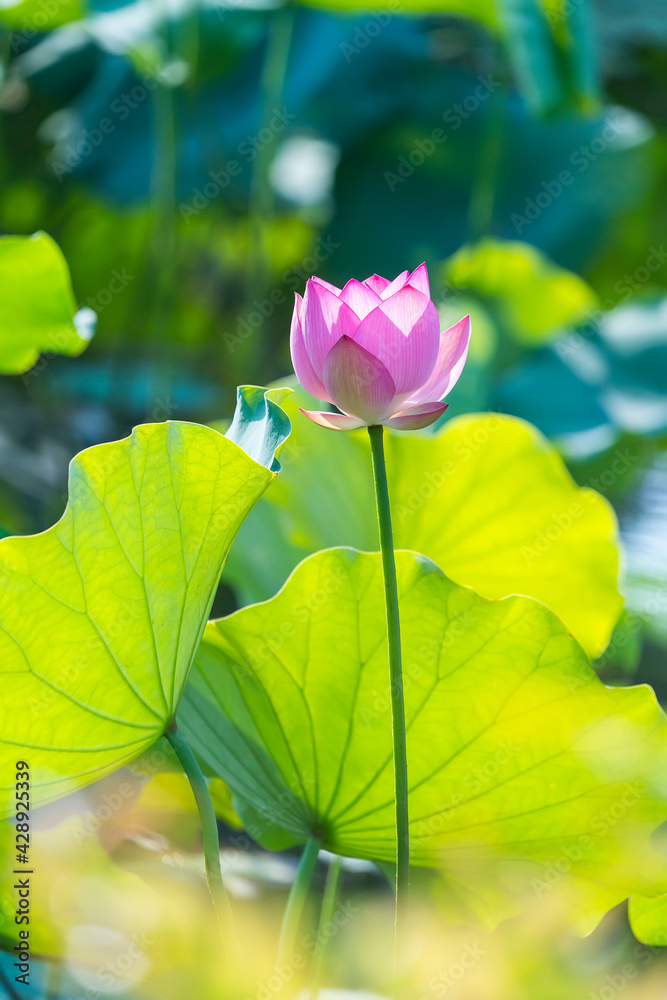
(375, 350)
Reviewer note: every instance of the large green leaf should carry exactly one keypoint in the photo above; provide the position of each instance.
(31, 16)
(549, 44)
(514, 745)
(648, 918)
(101, 615)
(533, 53)
(487, 498)
(478, 10)
(574, 25)
(39, 311)
(536, 298)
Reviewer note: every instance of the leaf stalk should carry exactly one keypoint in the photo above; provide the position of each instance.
(297, 900)
(211, 839)
(396, 684)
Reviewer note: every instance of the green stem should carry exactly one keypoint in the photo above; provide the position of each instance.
(261, 210)
(209, 825)
(189, 47)
(483, 190)
(164, 248)
(297, 900)
(329, 900)
(272, 84)
(395, 681)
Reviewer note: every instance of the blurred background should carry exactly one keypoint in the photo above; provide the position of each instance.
(197, 162)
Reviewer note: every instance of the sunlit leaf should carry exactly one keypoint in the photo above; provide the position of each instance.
(100, 616)
(32, 16)
(648, 918)
(39, 311)
(536, 298)
(514, 745)
(222, 803)
(487, 498)
(484, 11)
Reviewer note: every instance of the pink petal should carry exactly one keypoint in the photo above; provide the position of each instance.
(416, 416)
(404, 333)
(419, 280)
(333, 421)
(376, 283)
(357, 382)
(395, 285)
(324, 320)
(452, 356)
(302, 366)
(359, 297)
(326, 284)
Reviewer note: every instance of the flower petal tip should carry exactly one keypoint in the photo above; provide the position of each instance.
(416, 417)
(419, 280)
(333, 421)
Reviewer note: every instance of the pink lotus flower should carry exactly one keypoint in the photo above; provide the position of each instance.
(375, 350)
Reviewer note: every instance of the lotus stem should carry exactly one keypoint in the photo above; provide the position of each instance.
(211, 839)
(297, 900)
(329, 900)
(395, 681)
